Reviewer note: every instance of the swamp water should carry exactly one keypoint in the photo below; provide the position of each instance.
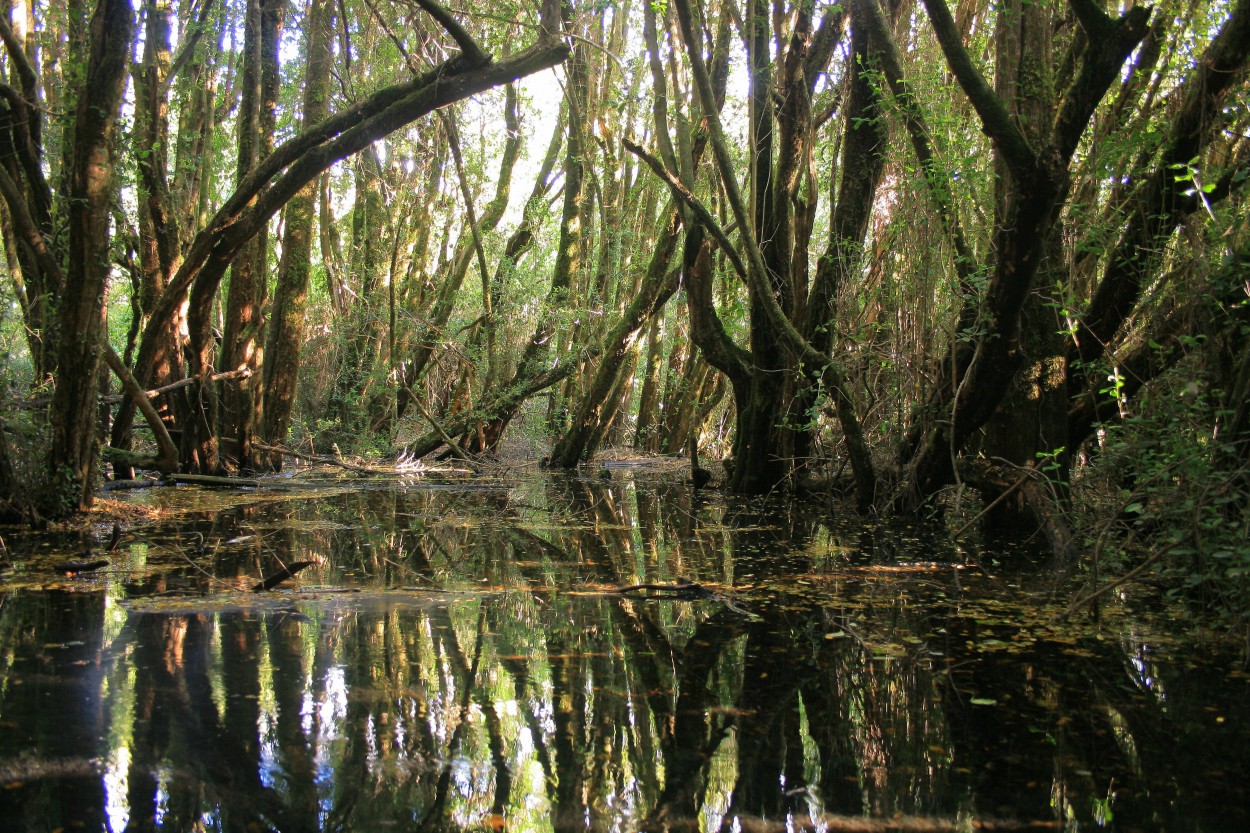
(458, 656)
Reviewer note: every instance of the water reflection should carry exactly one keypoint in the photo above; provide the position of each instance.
(484, 675)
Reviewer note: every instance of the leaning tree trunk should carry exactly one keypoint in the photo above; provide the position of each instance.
(648, 398)
(974, 378)
(766, 227)
(306, 156)
(569, 248)
(595, 406)
(73, 454)
(157, 243)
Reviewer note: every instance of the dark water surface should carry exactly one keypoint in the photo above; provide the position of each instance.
(481, 673)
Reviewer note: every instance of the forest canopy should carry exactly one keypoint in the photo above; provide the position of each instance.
(896, 247)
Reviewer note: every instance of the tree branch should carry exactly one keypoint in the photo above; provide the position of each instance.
(468, 47)
(700, 211)
(167, 461)
(937, 184)
(807, 356)
(25, 72)
(194, 34)
(1108, 44)
(995, 119)
(305, 157)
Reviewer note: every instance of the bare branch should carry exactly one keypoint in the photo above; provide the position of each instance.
(683, 195)
(167, 461)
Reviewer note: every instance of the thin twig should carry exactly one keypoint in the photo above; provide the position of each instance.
(1006, 493)
(1127, 577)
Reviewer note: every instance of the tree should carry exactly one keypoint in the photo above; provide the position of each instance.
(764, 377)
(90, 190)
(73, 454)
(287, 324)
(300, 160)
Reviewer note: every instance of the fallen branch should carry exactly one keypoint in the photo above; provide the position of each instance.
(990, 477)
(316, 458)
(500, 402)
(214, 482)
(167, 461)
(438, 429)
(682, 589)
(280, 576)
(45, 401)
(121, 485)
(225, 375)
(990, 506)
(85, 565)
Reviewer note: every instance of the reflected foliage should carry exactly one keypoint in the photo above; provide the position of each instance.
(460, 658)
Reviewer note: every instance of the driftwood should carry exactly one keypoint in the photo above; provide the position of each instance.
(681, 589)
(122, 485)
(84, 565)
(850, 824)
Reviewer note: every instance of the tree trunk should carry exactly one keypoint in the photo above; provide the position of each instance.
(242, 343)
(73, 454)
(569, 248)
(287, 319)
(28, 197)
(306, 156)
(1030, 427)
(158, 228)
(597, 406)
(648, 398)
(982, 364)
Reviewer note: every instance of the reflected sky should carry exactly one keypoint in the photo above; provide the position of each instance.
(461, 656)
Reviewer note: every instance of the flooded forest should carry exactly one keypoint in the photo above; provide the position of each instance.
(691, 415)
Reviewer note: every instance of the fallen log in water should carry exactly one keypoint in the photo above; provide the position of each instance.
(280, 576)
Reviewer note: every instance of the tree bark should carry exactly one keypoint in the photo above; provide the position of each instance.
(28, 197)
(73, 454)
(1029, 429)
(580, 442)
(973, 379)
(287, 318)
(778, 347)
(242, 341)
(569, 248)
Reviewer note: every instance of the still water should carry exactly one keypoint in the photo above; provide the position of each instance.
(458, 656)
